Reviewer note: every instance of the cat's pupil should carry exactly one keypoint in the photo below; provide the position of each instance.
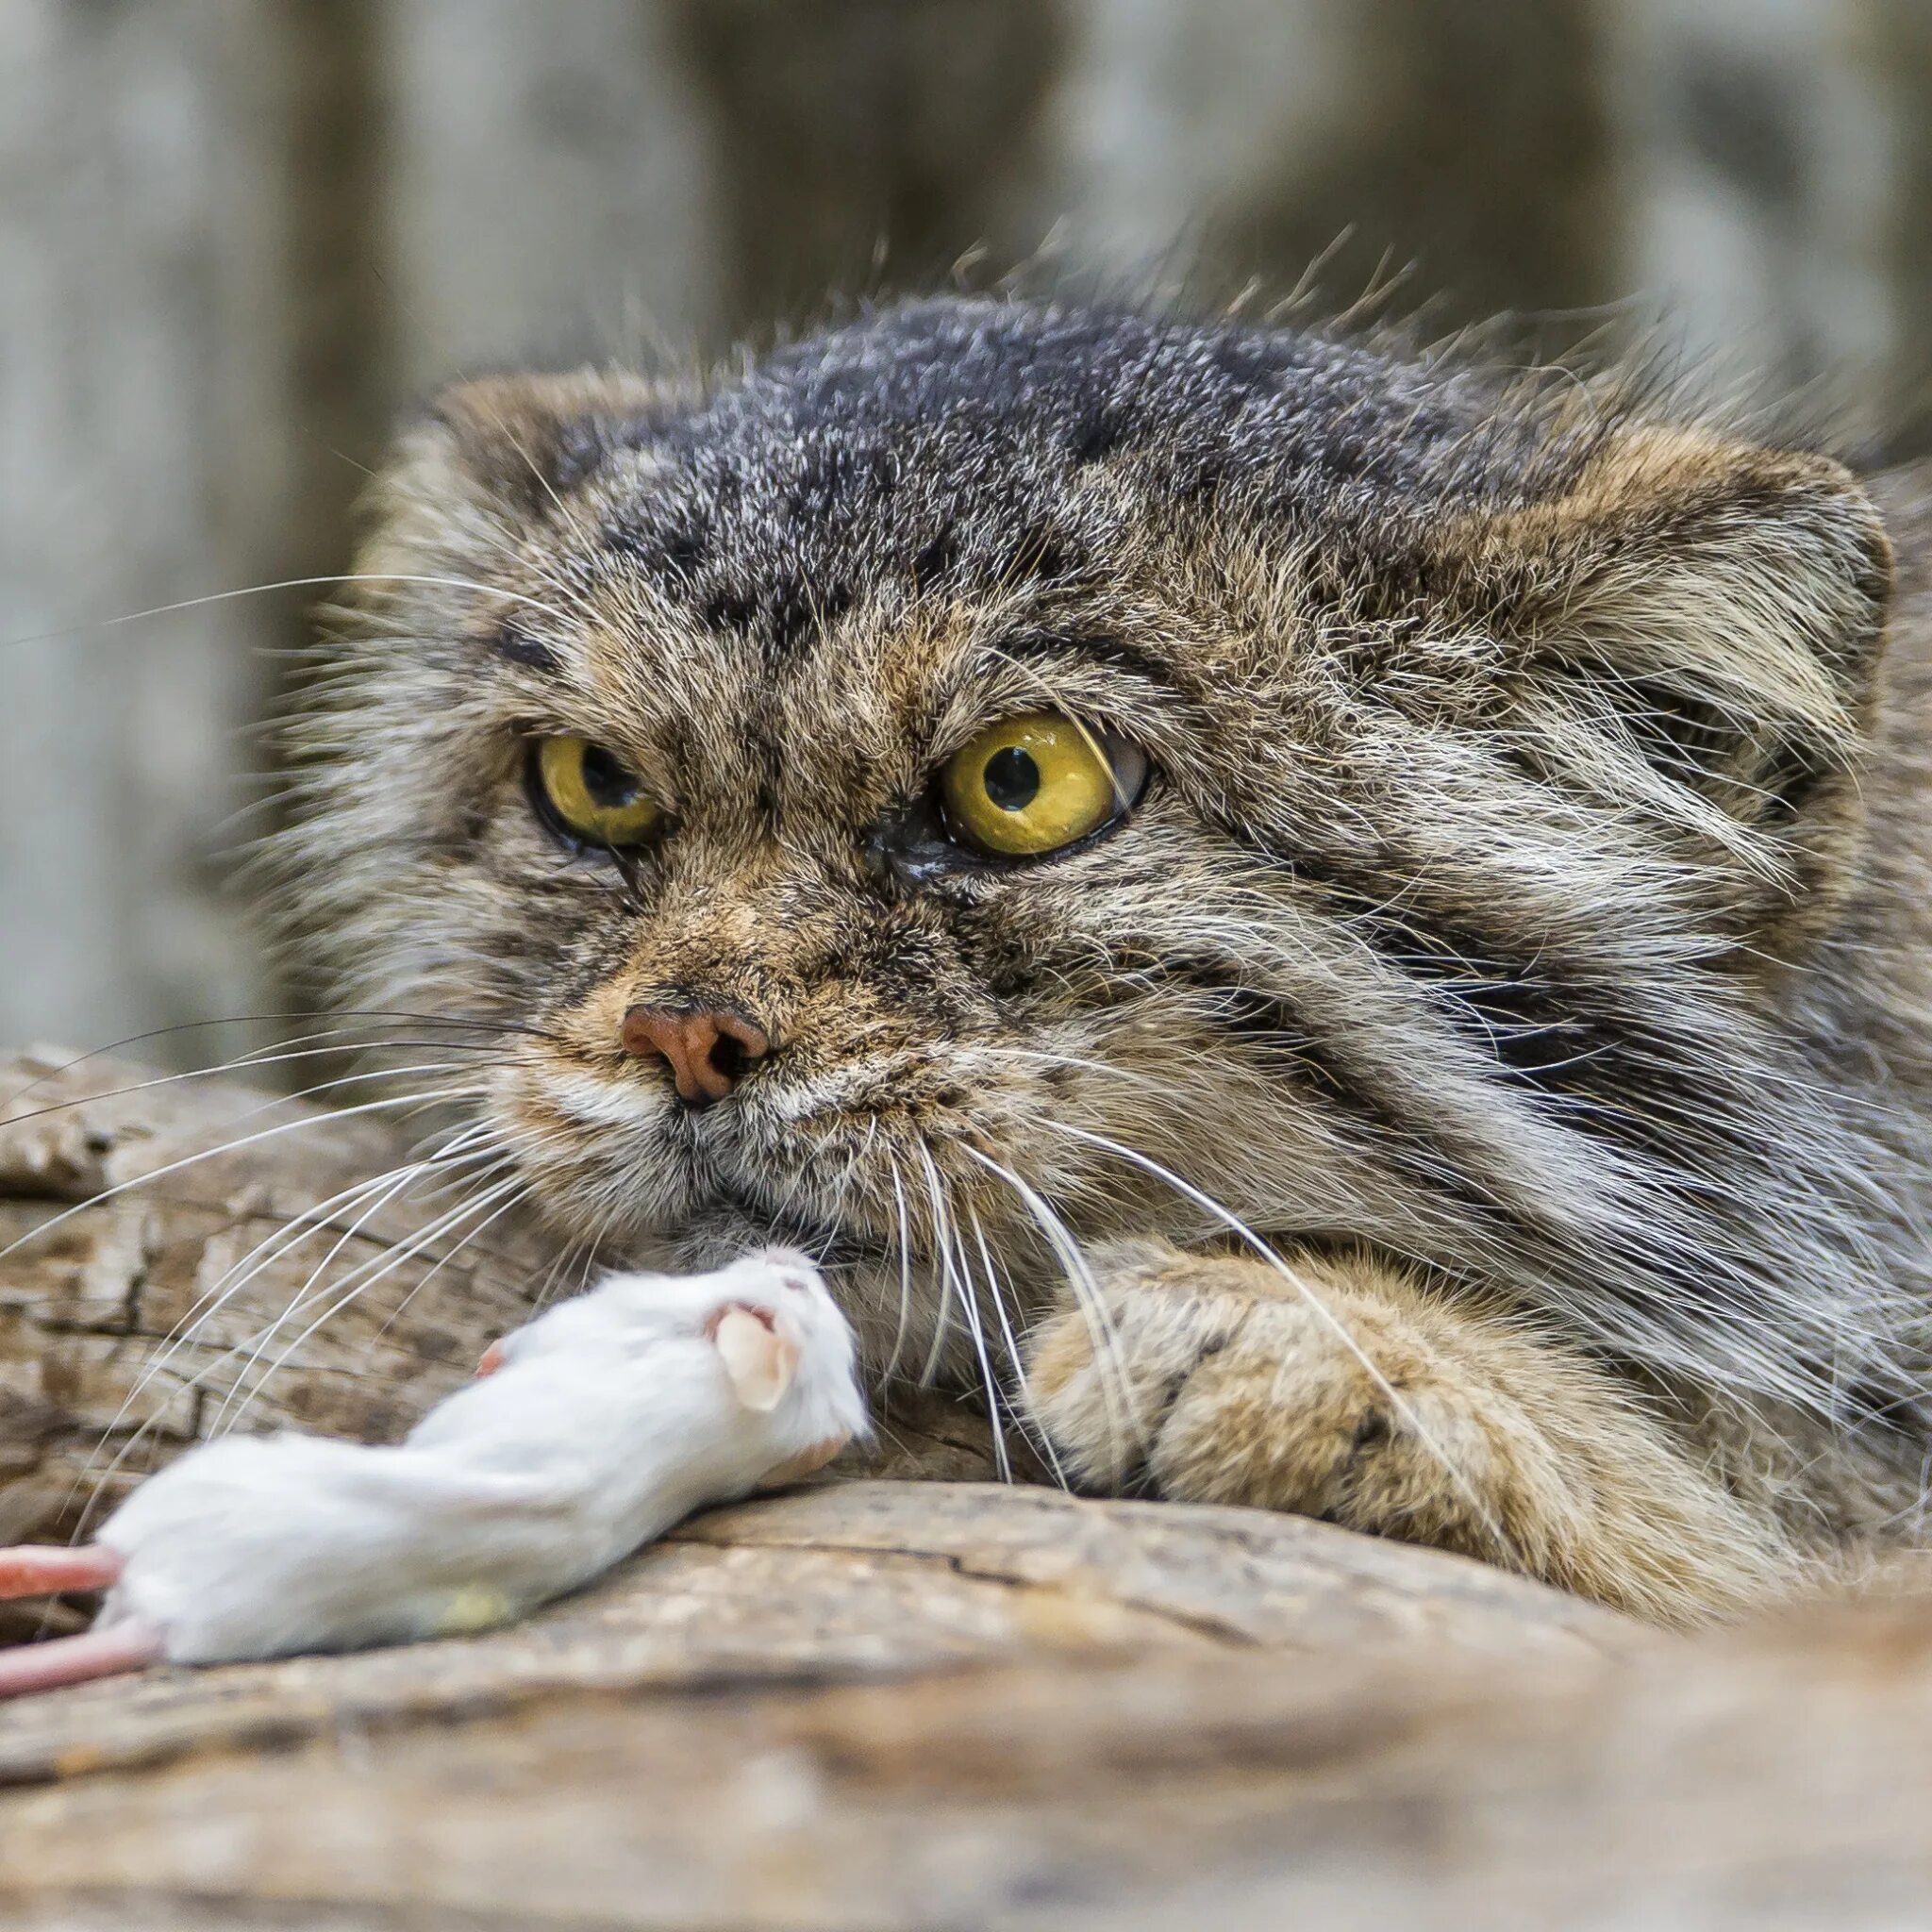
(606, 781)
(1011, 778)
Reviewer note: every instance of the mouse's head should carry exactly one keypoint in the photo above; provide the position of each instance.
(785, 1347)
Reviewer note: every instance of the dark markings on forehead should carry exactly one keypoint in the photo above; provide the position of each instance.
(511, 641)
(781, 597)
(943, 444)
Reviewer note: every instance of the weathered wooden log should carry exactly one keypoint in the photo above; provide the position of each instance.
(889, 1701)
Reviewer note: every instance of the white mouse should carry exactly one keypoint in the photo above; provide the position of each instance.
(589, 1432)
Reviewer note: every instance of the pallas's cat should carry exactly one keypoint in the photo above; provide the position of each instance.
(1356, 920)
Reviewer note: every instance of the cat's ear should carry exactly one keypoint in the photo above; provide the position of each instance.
(1700, 619)
(516, 443)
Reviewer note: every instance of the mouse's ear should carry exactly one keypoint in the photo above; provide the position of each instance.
(759, 1360)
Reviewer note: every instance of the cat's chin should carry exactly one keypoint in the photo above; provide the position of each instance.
(731, 1222)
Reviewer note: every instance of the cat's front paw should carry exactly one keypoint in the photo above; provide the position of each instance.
(1213, 1380)
(1106, 1370)
(1197, 1380)
(1340, 1388)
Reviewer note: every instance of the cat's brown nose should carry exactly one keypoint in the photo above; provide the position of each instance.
(709, 1052)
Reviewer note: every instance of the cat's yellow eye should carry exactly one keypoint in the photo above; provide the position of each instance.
(594, 795)
(1030, 785)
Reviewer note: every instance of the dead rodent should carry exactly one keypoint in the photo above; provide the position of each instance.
(591, 1430)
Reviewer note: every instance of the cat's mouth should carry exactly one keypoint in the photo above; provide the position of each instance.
(830, 1243)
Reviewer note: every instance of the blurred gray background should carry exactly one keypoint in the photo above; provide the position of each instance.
(238, 236)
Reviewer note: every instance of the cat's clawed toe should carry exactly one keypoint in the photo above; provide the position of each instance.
(1106, 1372)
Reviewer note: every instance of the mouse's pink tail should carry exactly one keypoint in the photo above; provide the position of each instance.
(41, 1568)
(107, 1653)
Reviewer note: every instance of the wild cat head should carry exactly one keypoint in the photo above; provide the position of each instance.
(994, 775)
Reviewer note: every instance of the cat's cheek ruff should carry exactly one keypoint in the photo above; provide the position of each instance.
(579, 1155)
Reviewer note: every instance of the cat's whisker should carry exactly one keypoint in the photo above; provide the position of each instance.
(960, 1282)
(593, 1244)
(1015, 1408)
(315, 1289)
(504, 1148)
(493, 1168)
(567, 1254)
(570, 594)
(432, 1098)
(250, 1064)
(475, 1234)
(211, 1301)
(998, 1404)
(1109, 1355)
(833, 1213)
(239, 1062)
(1315, 1301)
(302, 1297)
(186, 604)
(942, 1314)
(506, 1192)
(567, 511)
(446, 1162)
(791, 1200)
(93, 1475)
(905, 1272)
(546, 1291)
(280, 1242)
(345, 1022)
(466, 1144)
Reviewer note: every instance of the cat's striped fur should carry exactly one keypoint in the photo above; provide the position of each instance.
(1480, 1093)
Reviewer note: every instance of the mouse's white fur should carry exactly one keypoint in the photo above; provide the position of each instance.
(601, 1424)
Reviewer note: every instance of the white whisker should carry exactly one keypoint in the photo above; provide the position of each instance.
(212, 1300)
(905, 1272)
(962, 1283)
(1107, 1354)
(1036, 1435)
(154, 610)
(249, 1062)
(942, 1316)
(303, 1295)
(506, 1192)
(365, 1106)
